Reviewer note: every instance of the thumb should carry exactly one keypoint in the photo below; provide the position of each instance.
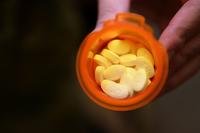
(107, 9)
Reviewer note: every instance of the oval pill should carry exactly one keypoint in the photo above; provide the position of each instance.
(102, 61)
(114, 89)
(145, 53)
(127, 60)
(135, 79)
(140, 80)
(99, 74)
(119, 47)
(114, 72)
(114, 58)
(141, 62)
(127, 79)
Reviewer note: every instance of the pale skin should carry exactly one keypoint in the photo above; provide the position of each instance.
(181, 37)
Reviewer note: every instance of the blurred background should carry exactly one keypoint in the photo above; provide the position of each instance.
(39, 40)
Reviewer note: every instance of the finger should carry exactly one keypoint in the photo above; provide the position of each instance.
(107, 9)
(189, 51)
(183, 74)
(182, 26)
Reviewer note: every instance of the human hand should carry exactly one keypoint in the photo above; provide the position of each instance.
(181, 37)
(182, 40)
(107, 9)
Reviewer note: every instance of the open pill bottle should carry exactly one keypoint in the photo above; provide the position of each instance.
(125, 26)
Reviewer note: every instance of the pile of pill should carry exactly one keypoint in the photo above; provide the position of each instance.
(123, 68)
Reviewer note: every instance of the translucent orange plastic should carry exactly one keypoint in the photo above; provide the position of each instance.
(130, 27)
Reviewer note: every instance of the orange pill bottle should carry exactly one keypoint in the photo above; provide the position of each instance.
(131, 27)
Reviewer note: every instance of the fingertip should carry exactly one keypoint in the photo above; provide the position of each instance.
(107, 9)
(98, 26)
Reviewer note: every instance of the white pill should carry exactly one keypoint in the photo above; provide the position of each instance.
(119, 47)
(127, 60)
(114, 72)
(135, 79)
(114, 89)
(102, 61)
(99, 74)
(127, 78)
(140, 80)
(145, 53)
(142, 62)
(114, 58)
